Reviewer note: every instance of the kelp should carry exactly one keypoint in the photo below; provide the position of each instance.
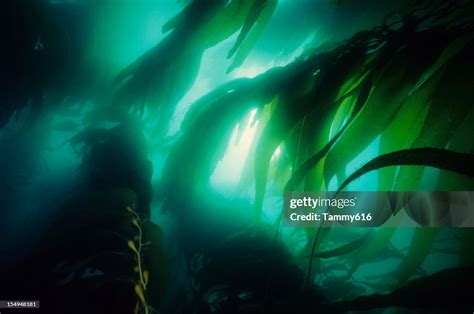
(109, 263)
(438, 214)
(423, 238)
(328, 71)
(405, 51)
(394, 45)
(454, 180)
(283, 118)
(330, 80)
(404, 72)
(247, 175)
(148, 248)
(323, 110)
(451, 98)
(231, 102)
(161, 76)
(460, 163)
(412, 115)
(312, 168)
(392, 86)
(253, 27)
(308, 165)
(100, 245)
(408, 118)
(315, 87)
(311, 162)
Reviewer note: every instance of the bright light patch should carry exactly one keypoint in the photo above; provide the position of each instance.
(277, 153)
(251, 71)
(230, 167)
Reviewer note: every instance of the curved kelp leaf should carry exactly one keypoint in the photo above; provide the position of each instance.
(254, 13)
(230, 90)
(452, 98)
(283, 119)
(253, 27)
(433, 157)
(248, 16)
(401, 133)
(162, 76)
(231, 103)
(352, 95)
(227, 19)
(392, 84)
(309, 164)
(331, 71)
(279, 124)
(182, 173)
(409, 122)
(313, 140)
(247, 176)
(406, 127)
(351, 108)
(156, 82)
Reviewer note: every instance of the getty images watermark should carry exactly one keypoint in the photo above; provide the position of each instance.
(369, 209)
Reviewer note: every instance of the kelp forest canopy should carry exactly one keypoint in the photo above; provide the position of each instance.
(146, 147)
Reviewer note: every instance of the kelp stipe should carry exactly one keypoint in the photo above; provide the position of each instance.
(137, 245)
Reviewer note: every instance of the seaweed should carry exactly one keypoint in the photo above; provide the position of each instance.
(407, 82)
(434, 157)
(161, 76)
(101, 237)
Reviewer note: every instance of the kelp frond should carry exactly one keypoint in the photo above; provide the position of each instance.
(460, 163)
(137, 245)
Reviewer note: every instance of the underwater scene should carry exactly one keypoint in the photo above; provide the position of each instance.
(237, 156)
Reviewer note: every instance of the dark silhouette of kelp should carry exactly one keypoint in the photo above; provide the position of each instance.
(101, 251)
(100, 247)
(163, 75)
